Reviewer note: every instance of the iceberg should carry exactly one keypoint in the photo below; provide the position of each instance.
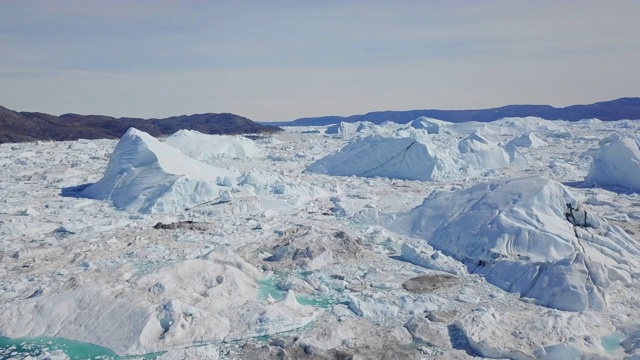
(529, 236)
(616, 164)
(399, 158)
(147, 176)
(204, 147)
(528, 139)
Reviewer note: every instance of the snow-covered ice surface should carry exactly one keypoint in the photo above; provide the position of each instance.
(203, 251)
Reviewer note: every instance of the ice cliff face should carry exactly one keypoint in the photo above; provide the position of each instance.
(529, 236)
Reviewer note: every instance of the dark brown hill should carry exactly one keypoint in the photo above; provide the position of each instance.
(30, 126)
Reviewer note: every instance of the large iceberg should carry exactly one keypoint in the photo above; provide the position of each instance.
(400, 158)
(204, 147)
(479, 152)
(529, 236)
(357, 128)
(515, 125)
(617, 164)
(145, 175)
(409, 155)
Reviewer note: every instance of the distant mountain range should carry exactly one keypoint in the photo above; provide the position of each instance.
(624, 108)
(31, 126)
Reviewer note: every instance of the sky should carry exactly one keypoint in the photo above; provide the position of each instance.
(282, 60)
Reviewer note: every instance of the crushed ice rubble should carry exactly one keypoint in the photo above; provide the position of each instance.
(512, 239)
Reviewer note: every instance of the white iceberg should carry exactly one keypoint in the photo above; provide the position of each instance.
(409, 155)
(345, 128)
(519, 125)
(203, 147)
(616, 164)
(529, 236)
(145, 175)
(528, 139)
(431, 126)
(399, 158)
(479, 152)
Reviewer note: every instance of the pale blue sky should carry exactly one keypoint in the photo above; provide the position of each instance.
(281, 60)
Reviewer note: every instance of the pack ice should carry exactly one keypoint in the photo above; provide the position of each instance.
(527, 235)
(378, 271)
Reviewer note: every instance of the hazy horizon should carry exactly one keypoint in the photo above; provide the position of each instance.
(282, 60)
